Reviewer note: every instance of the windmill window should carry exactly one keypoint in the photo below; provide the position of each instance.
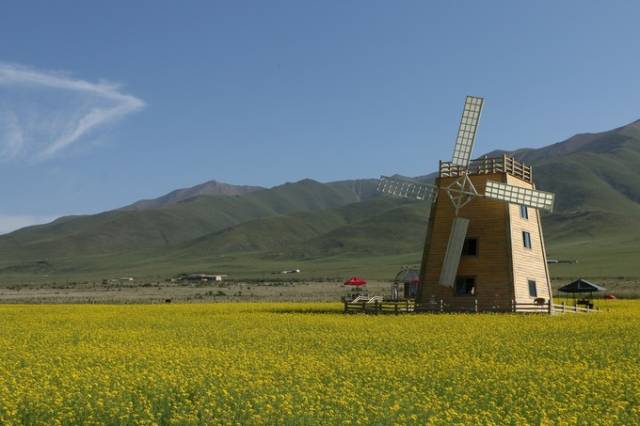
(526, 239)
(533, 290)
(524, 213)
(465, 286)
(470, 247)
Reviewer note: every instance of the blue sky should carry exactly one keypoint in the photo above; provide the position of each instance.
(104, 103)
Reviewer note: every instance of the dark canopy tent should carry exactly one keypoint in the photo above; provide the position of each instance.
(581, 286)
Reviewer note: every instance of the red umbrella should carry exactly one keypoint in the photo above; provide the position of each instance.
(355, 281)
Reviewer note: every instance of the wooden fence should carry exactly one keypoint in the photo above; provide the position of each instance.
(562, 308)
(377, 305)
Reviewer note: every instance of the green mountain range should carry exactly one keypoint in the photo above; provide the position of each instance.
(335, 229)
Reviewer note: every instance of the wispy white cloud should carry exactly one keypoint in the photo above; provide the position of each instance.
(9, 223)
(13, 139)
(45, 112)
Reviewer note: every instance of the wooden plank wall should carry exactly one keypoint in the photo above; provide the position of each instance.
(527, 263)
(492, 268)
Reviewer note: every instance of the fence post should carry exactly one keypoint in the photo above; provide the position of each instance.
(376, 306)
(575, 308)
(364, 307)
(475, 305)
(441, 305)
(550, 307)
(513, 305)
(345, 307)
(563, 307)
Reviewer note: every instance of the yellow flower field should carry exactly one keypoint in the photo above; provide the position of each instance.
(298, 364)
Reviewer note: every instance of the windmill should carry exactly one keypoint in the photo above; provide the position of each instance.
(484, 238)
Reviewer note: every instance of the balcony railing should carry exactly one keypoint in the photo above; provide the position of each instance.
(480, 166)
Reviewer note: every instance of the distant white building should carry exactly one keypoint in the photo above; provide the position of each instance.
(204, 277)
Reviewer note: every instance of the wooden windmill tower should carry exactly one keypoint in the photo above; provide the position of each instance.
(484, 247)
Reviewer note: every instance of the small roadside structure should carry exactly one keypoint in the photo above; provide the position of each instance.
(409, 279)
(204, 277)
(583, 288)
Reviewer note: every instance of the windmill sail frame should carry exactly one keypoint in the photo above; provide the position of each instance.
(407, 189)
(467, 131)
(518, 195)
(454, 251)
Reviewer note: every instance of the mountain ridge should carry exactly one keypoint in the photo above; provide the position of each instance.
(211, 187)
(595, 177)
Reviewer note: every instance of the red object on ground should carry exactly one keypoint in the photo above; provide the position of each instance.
(355, 281)
(610, 296)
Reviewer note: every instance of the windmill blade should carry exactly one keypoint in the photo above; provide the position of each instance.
(467, 131)
(454, 251)
(524, 196)
(407, 189)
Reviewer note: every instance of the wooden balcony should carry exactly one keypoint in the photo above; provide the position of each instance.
(504, 164)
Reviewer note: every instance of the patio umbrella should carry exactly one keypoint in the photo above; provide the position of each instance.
(357, 281)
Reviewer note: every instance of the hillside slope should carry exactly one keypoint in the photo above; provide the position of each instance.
(309, 234)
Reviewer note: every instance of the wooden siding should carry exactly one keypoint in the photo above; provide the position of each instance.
(491, 268)
(502, 266)
(528, 264)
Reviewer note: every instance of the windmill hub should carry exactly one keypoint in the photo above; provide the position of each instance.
(461, 192)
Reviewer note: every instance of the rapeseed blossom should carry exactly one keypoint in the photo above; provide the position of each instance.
(299, 364)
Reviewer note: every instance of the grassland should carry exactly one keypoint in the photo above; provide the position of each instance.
(179, 292)
(308, 364)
